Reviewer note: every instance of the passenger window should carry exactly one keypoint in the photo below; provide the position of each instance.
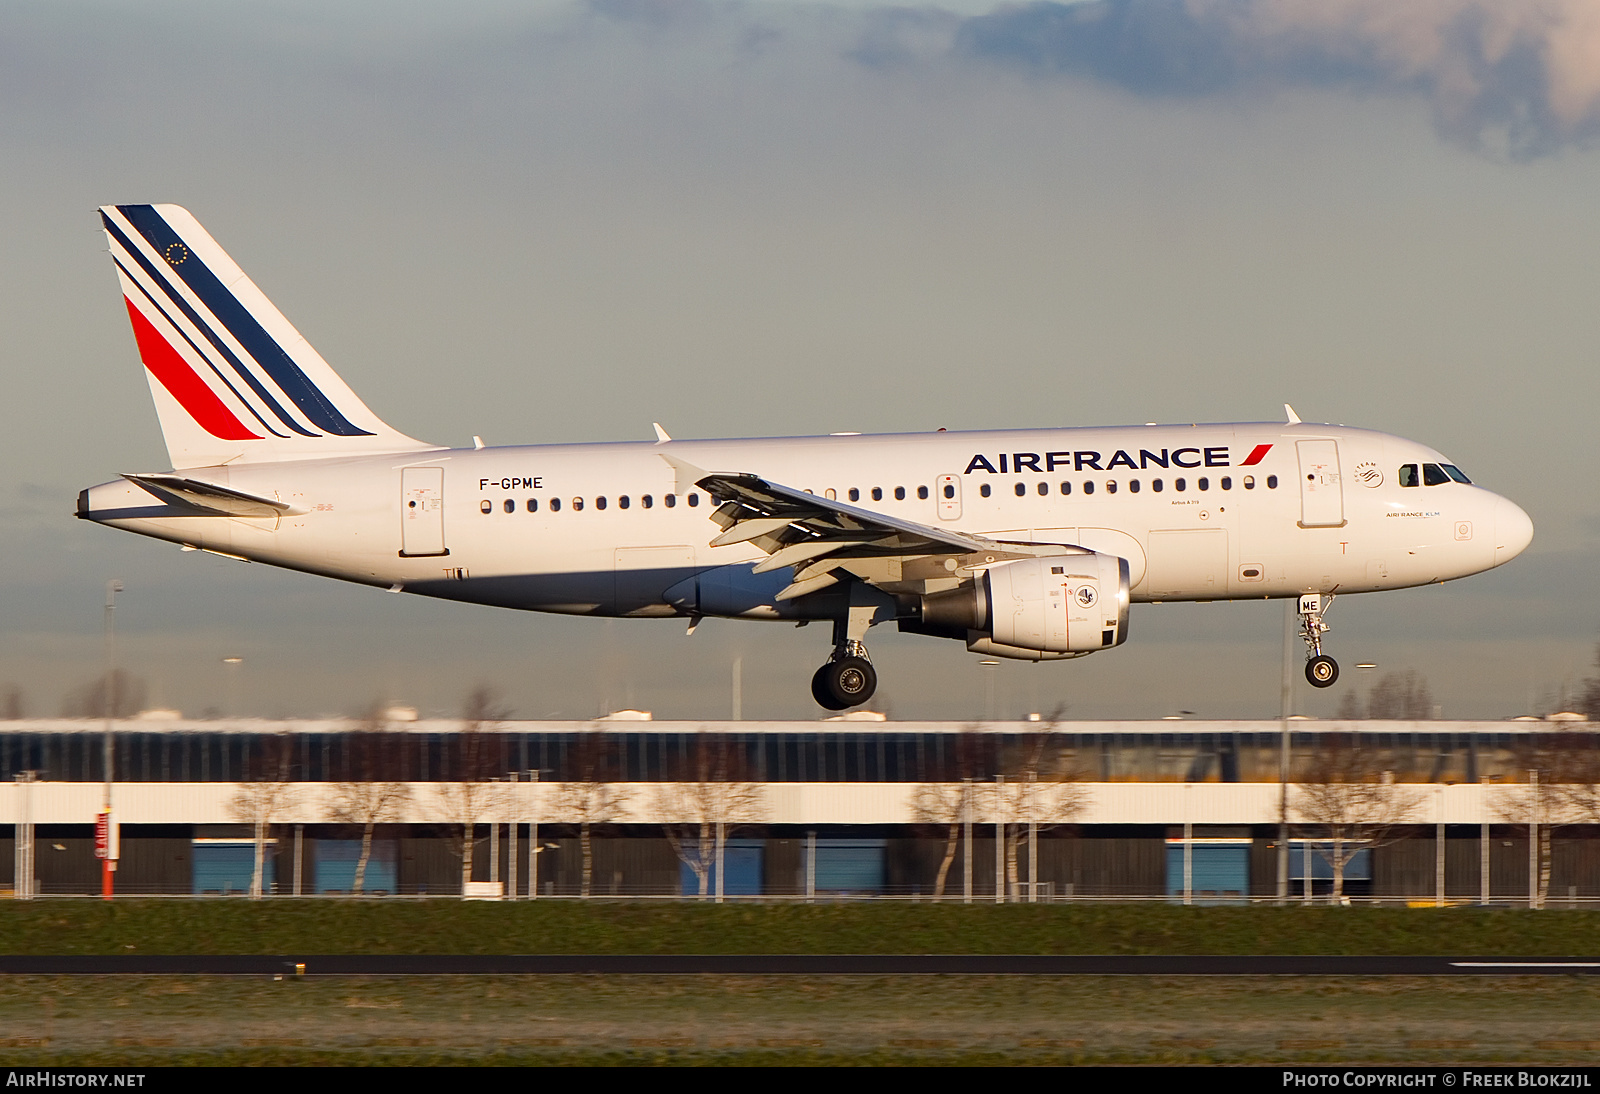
(1020, 489)
(922, 492)
(1249, 482)
(622, 502)
(1455, 473)
(877, 493)
(1204, 484)
(555, 505)
(694, 500)
(950, 491)
(600, 503)
(1433, 475)
(855, 495)
(1156, 485)
(510, 505)
(533, 505)
(1408, 475)
(1272, 482)
(1180, 485)
(899, 493)
(1133, 486)
(647, 501)
(1088, 488)
(1227, 483)
(1044, 489)
(671, 500)
(1066, 488)
(983, 490)
(577, 505)
(486, 506)
(1111, 486)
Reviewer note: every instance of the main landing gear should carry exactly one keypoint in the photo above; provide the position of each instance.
(1321, 670)
(848, 679)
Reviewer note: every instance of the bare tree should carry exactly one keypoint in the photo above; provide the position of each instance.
(950, 798)
(714, 796)
(1350, 805)
(473, 793)
(1401, 696)
(12, 705)
(126, 697)
(1033, 797)
(1589, 701)
(264, 797)
(374, 790)
(1561, 787)
(590, 794)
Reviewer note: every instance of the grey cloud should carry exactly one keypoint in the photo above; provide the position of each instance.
(1522, 75)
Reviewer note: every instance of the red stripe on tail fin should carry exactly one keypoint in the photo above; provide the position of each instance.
(182, 384)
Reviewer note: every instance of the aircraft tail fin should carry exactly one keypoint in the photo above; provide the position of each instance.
(232, 380)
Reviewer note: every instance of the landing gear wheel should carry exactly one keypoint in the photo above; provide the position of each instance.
(847, 682)
(1322, 671)
(820, 692)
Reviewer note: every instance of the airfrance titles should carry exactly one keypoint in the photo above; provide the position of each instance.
(1014, 463)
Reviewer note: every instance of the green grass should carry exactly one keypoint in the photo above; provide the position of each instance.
(378, 926)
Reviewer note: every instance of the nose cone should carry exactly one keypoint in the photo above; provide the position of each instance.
(1513, 531)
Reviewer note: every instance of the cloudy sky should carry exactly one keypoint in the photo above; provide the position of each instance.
(562, 221)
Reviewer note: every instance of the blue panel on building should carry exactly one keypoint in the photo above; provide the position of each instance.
(1357, 866)
(226, 867)
(336, 859)
(742, 859)
(851, 865)
(1218, 874)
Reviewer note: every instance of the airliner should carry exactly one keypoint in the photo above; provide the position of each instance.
(1027, 544)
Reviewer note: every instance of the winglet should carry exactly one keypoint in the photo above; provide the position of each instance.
(661, 434)
(1294, 419)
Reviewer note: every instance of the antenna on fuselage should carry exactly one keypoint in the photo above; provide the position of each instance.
(1294, 419)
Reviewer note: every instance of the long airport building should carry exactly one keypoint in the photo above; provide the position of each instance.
(1197, 811)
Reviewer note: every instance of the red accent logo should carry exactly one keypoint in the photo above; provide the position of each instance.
(183, 384)
(1256, 455)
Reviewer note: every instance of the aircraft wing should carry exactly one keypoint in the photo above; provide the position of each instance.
(820, 537)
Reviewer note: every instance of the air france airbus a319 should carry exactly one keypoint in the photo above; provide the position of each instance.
(1028, 544)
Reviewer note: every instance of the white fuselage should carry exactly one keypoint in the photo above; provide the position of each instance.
(1320, 510)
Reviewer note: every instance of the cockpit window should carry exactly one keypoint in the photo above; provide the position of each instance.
(1408, 475)
(1433, 475)
(1455, 473)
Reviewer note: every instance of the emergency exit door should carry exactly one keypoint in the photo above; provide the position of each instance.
(422, 512)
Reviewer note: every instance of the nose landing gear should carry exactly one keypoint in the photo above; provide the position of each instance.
(1321, 670)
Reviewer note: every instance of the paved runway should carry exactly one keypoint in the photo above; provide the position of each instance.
(768, 964)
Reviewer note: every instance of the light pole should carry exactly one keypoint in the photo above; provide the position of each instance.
(105, 830)
(233, 664)
(1286, 698)
(988, 675)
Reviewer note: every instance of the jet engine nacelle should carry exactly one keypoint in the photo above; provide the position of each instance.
(1037, 609)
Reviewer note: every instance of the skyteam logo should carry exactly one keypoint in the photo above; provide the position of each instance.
(205, 346)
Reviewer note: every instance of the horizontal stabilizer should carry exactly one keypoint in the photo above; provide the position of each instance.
(209, 499)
